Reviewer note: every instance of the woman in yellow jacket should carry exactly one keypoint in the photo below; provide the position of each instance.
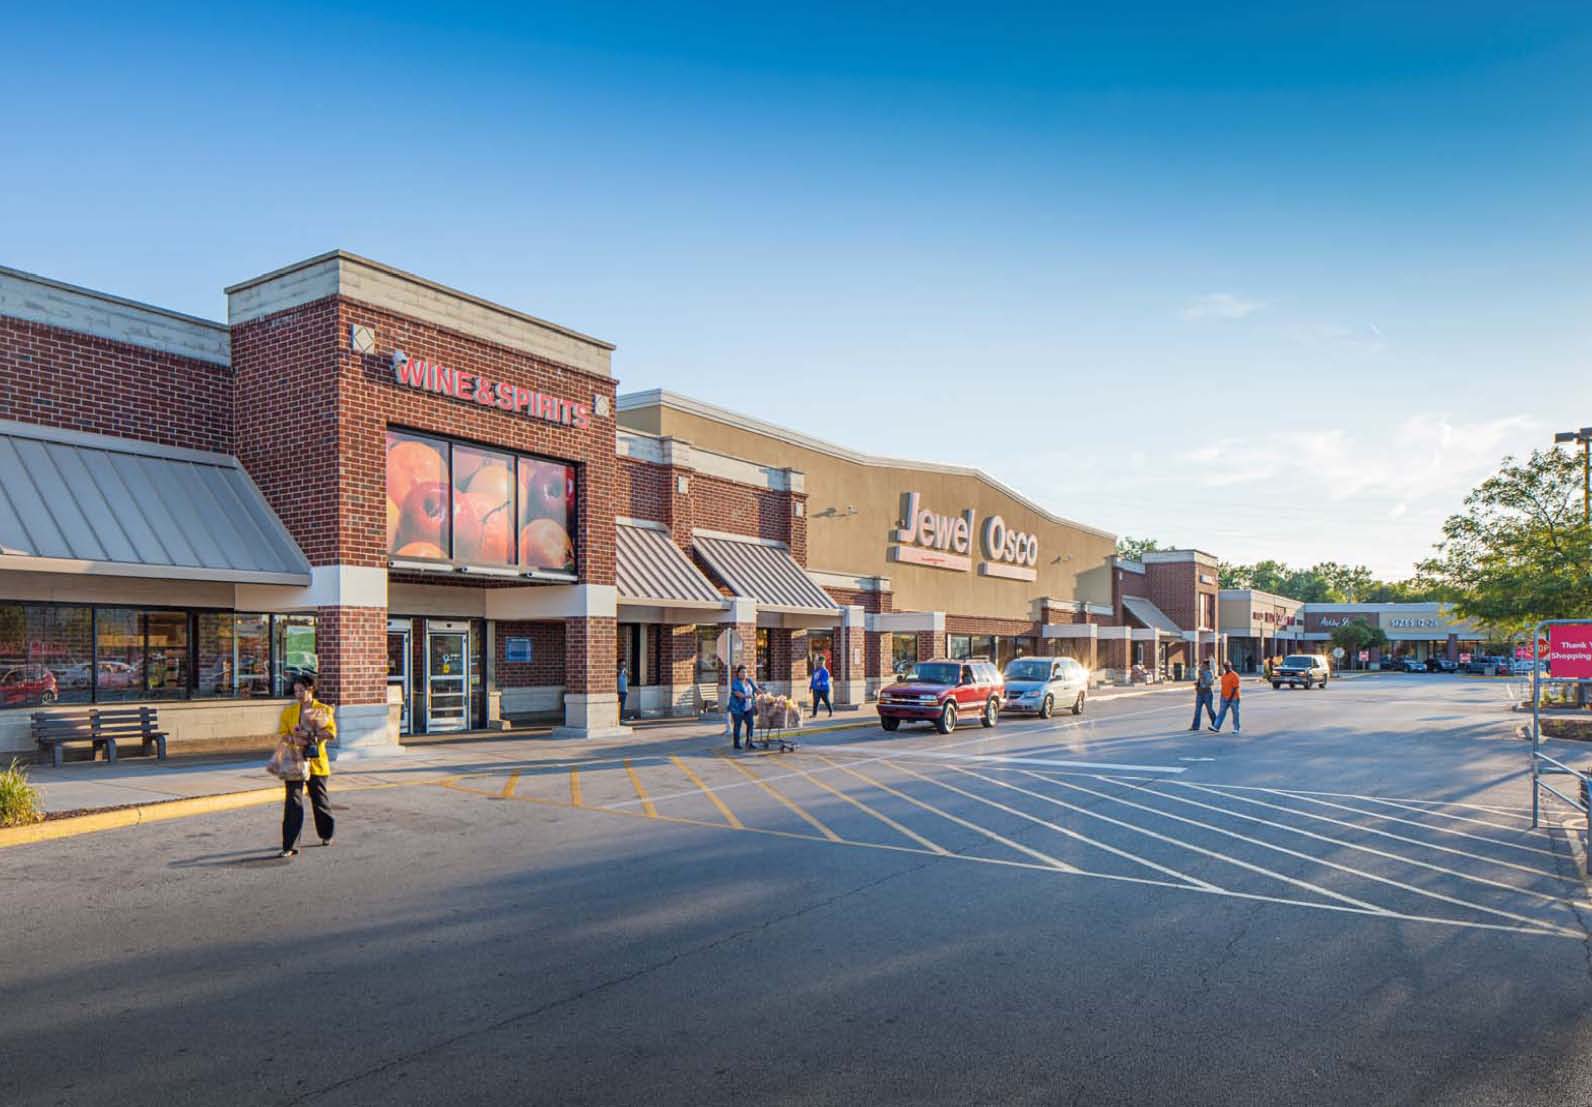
(311, 724)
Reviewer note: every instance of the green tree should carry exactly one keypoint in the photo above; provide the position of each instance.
(1520, 551)
(1134, 549)
(1356, 636)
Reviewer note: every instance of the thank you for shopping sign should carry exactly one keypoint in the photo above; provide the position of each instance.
(1570, 651)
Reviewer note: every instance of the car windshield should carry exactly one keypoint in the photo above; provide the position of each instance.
(1032, 668)
(937, 672)
(1300, 660)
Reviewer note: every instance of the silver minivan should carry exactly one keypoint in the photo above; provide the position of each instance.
(1043, 684)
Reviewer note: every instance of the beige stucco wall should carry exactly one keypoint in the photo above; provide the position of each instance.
(1070, 558)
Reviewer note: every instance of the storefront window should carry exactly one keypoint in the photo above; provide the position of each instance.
(708, 668)
(983, 645)
(45, 655)
(483, 506)
(417, 496)
(764, 657)
(903, 653)
(119, 646)
(234, 654)
(295, 650)
(547, 515)
(820, 645)
(959, 645)
(166, 653)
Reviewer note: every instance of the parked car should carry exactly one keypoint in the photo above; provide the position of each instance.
(28, 684)
(1488, 666)
(1413, 665)
(1523, 666)
(1308, 669)
(1441, 665)
(1041, 684)
(941, 691)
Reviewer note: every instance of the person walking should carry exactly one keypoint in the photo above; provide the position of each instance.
(624, 687)
(1230, 683)
(743, 704)
(1204, 692)
(310, 724)
(820, 687)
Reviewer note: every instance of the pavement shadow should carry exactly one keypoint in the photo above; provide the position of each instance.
(236, 857)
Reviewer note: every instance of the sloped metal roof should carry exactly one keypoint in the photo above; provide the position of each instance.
(763, 572)
(1150, 615)
(648, 566)
(89, 503)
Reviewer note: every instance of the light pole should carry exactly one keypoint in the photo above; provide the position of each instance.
(1583, 436)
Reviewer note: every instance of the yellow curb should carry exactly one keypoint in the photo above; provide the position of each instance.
(96, 821)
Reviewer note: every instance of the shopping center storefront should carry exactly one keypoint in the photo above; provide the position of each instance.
(1415, 631)
(442, 508)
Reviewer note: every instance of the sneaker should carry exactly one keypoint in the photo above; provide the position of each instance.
(1213, 730)
(288, 853)
(326, 841)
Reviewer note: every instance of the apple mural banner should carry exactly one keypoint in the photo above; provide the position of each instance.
(1570, 651)
(493, 508)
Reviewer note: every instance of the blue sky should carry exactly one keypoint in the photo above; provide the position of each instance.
(1268, 280)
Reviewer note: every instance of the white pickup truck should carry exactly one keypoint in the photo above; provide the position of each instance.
(1308, 669)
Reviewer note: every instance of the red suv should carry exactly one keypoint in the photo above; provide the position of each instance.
(28, 684)
(943, 690)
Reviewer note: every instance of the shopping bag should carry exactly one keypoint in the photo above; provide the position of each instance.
(288, 763)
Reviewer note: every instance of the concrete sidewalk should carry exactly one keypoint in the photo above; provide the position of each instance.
(83, 787)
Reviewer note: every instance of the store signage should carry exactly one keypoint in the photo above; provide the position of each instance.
(1570, 651)
(1414, 622)
(517, 650)
(946, 542)
(483, 391)
(1318, 621)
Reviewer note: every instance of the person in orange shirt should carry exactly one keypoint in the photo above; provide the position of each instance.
(1229, 698)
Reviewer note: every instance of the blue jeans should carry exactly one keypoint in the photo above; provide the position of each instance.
(740, 717)
(1222, 714)
(1202, 699)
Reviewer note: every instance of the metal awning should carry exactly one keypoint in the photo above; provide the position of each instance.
(1150, 615)
(765, 572)
(72, 502)
(649, 568)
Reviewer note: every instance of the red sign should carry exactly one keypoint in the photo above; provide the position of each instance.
(472, 388)
(1365, 655)
(1464, 658)
(1570, 651)
(1523, 653)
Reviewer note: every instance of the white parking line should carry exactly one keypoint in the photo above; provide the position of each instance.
(1015, 759)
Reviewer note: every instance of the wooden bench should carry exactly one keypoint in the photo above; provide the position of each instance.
(102, 728)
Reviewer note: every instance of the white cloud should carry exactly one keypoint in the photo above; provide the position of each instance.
(1219, 305)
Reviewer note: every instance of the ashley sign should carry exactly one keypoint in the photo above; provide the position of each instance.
(946, 542)
(472, 388)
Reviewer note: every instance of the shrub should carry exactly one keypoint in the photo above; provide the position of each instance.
(19, 800)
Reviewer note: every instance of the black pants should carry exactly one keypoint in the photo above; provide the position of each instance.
(293, 810)
(821, 696)
(621, 705)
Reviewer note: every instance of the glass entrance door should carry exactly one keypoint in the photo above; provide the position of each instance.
(447, 676)
(398, 665)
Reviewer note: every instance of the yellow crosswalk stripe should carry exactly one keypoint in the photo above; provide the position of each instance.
(574, 786)
(811, 820)
(647, 805)
(729, 816)
(509, 785)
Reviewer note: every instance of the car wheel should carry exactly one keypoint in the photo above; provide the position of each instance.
(889, 723)
(1048, 708)
(47, 697)
(1307, 684)
(1276, 684)
(992, 712)
(1323, 683)
(1077, 705)
(947, 720)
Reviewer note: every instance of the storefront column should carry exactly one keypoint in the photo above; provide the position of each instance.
(848, 668)
(677, 666)
(351, 659)
(591, 669)
(931, 643)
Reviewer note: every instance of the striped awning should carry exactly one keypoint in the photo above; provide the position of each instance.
(764, 572)
(72, 502)
(650, 568)
(1150, 615)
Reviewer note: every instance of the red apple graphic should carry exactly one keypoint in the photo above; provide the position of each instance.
(425, 515)
(551, 491)
(482, 529)
(546, 545)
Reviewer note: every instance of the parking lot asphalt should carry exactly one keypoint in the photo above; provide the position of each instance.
(1343, 903)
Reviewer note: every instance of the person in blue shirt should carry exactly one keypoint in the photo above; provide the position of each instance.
(820, 687)
(624, 687)
(743, 704)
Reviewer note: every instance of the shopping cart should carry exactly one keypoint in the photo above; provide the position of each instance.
(777, 724)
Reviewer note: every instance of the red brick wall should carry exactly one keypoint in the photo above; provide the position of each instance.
(315, 416)
(591, 655)
(872, 602)
(62, 378)
(642, 491)
(546, 666)
(351, 654)
(1013, 628)
(741, 509)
